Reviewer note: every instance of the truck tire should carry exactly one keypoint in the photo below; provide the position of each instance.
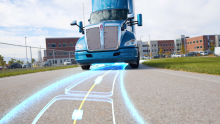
(85, 67)
(137, 64)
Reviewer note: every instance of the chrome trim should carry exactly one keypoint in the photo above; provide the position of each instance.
(102, 35)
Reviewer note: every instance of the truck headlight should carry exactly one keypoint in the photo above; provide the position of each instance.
(79, 46)
(131, 42)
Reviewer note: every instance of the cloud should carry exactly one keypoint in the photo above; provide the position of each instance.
(162, 19)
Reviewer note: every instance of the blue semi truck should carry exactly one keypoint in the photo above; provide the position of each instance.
(110, 36)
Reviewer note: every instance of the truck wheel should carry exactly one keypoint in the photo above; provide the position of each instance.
(137, 64)
(85, 67)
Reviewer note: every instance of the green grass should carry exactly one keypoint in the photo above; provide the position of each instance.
(208, 65)
(13, 72)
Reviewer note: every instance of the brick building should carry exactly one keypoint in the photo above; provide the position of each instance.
(148, 47)
(197, 44)
(166, 45)
(59, 50)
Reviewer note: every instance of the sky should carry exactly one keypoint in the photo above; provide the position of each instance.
(38, 19)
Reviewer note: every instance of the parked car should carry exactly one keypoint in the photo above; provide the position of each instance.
(15, 65)
(67, 62)
(26, 65)
(146, 57)
(175, 55)
(47, 63)
(156, 56)
(192, 54)
(204, 53)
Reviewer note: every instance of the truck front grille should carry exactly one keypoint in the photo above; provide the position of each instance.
(93, 38)
(111, 37)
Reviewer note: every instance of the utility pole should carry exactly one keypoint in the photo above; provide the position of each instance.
(26, 48)
(31, 59)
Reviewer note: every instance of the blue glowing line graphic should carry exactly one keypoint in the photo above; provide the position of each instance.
(39, 95)
(128, 103)
(77, 95)
(71, 96)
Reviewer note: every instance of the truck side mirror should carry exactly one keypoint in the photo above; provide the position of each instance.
(130, 16)
(81, 27)
(139, 19)
(73, 23)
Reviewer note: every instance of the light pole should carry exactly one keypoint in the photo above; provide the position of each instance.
(150, 47)
(26, 48)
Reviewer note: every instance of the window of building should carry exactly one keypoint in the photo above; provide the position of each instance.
(173, 49)
(155, 50)
(48, 45)
(178, 49)
(144, 45)
(149, 50)
(54, 62)
(219, 40)
(190, 42)
(167, 50)
(194, 42)
(200, 41)
(65, 53)
(61, 61)
(170, 49)
(161, 44)
(60, 53)
(197, 47)
(164, 50)
(158, 45)
(65, 45)
(154, 45)
(50, 54)
(53, 45)
(71, 53)
(205, 46)
(204, 40)
(219, 45)
(71, 44)
(144, 50)
(59, 44)
(197, 41)
(172, 44)
(55, 53)
(200, 46)
(166, 44)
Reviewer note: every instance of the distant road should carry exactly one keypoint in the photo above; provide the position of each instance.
(118, 94)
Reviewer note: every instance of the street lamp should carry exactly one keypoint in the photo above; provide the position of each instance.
(26, 48)
(140, 37)
(150, 46)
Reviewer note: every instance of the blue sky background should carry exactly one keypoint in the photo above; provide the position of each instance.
(162, 19)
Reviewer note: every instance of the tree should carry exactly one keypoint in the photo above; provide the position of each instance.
(33, 60)
(212, 47)
(10, 62)
(21, 62)
(2, 62)
(182, 49)
(145, 55)
(160, 51)
(203, 49)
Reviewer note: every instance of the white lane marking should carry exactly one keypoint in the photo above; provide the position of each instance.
(77, 114)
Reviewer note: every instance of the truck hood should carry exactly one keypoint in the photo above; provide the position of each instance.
(108, 22)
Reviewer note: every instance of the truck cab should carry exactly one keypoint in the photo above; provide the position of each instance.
(110, 36)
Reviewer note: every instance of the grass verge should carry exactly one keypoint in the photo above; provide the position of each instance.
(13, 72)
(207, 65)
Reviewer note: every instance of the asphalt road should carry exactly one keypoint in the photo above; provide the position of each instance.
(110, 94)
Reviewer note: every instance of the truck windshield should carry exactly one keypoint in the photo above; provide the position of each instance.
(119, 14)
